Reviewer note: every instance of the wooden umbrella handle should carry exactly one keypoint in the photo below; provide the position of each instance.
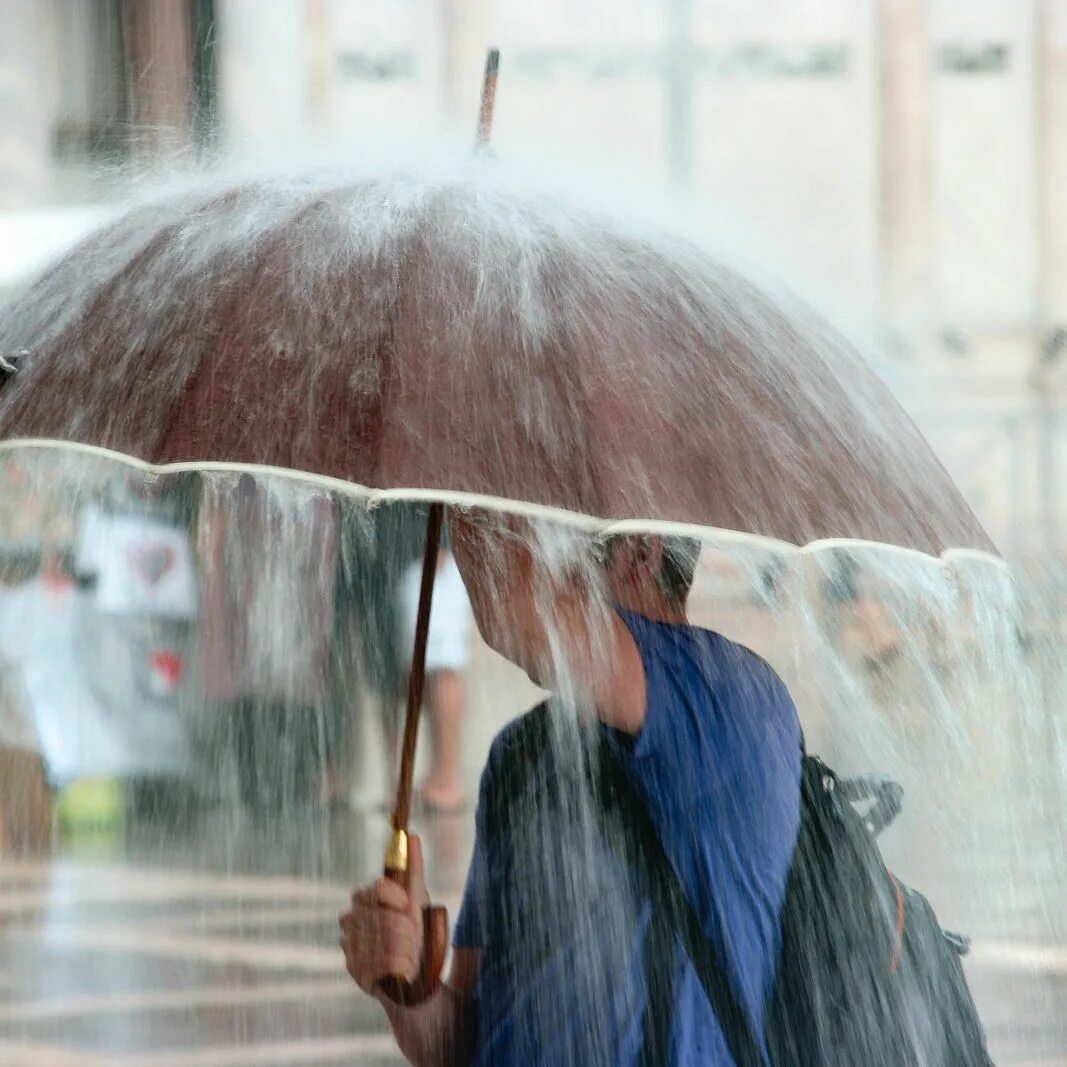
(434, 919)
(434, 944)
(435, 949)
(397, 855)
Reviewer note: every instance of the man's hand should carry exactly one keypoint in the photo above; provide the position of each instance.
(381, 935)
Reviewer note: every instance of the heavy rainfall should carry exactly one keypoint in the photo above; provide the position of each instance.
(770, 636)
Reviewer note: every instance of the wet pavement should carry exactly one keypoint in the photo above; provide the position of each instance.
(201, 949)
(217, 946)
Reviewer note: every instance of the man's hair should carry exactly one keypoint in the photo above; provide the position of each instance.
(841, 582)
(679, 566)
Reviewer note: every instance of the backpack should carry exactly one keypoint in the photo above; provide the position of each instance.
(866, 978)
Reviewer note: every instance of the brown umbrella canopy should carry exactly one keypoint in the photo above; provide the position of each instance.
(461, 333)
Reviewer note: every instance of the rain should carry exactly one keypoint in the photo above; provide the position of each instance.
(732, 732)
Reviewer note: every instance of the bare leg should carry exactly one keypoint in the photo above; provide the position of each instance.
(25, 803)
(444, 786)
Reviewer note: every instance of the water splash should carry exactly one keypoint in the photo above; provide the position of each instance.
(900, 662)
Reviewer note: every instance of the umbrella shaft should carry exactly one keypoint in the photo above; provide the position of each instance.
(485, 112)
(417, 677)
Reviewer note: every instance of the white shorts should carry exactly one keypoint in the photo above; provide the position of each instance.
(451, 619)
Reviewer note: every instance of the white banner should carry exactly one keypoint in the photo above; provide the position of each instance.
(143, 566)
(40, 642)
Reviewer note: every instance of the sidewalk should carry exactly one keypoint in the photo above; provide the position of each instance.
(221, 949)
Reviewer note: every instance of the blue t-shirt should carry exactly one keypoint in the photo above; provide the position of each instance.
(718, 766)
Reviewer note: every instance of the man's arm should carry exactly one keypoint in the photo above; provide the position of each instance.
(381, 935)
(440, 1032)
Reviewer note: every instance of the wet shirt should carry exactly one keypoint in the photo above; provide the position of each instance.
(553, 909)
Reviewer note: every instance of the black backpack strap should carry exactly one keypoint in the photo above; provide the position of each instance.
(660, 975)
(646, 854)
(672, 914)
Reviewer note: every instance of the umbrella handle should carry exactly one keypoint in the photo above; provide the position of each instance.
(434, 951)
(396, 854)
(435, 948)
(434, 919)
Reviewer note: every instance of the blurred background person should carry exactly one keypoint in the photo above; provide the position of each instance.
(269, 560)
(369, 668)
(138, 615)
(864, 632)
(447, 659)
(25, 799)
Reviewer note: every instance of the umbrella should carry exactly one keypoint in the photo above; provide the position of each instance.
(460, 335)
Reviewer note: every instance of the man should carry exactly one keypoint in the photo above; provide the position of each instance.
(552, 963)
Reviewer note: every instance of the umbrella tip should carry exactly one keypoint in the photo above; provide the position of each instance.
(485, 112)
